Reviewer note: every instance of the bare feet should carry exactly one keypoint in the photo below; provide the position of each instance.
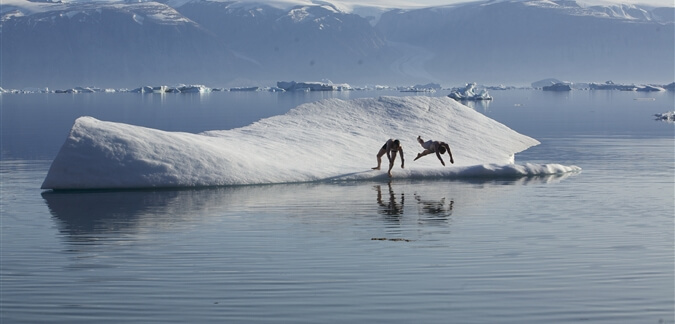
(376, 168)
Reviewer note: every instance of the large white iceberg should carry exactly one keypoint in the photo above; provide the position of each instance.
(331, 139)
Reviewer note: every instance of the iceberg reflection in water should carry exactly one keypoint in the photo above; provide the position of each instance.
(83, 215)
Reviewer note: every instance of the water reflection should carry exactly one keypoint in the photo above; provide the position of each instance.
(434, 209)
(392, 204)
(478, 105)
(392, 207)
(86, 217)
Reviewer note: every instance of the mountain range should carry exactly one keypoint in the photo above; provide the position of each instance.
(233, 43)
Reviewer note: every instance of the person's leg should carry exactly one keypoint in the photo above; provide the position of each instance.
(391, 162)
(419, 155)
(379, 158)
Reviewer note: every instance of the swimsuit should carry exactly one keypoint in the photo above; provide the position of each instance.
(430, 145)
(387, 146)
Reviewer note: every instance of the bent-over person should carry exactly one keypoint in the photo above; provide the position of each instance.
(391, 148)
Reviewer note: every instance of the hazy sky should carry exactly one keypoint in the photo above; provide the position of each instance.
(430, 3)
(348, 4)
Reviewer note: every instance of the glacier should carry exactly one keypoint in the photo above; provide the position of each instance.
(327, 140)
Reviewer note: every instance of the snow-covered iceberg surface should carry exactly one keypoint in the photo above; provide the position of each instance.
(331, 139)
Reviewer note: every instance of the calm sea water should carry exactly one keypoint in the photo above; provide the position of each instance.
(593, 247)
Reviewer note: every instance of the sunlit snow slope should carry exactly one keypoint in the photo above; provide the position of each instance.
(327, 140)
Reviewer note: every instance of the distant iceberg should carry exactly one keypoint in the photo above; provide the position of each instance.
(609, 85)
(245, 89)
(667, 116)
(194, 88)
(155, 89)
(328, 140)
(650, 88)
(429, 87)
(312, 86)
(468, 93)
(558, 87)
(79, 90)
(545, 82)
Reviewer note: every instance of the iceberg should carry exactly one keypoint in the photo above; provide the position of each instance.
(312, 86)
(666, 116)
(327, 140)
(650, 88)
(153, 89)
(194, 88)
(558, 87)
(609, 85)
(546, 82)
(468, 93)
(245, 89)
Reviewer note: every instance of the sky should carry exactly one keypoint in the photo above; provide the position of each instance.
(348, 5)
(661, 3)
(433, 3)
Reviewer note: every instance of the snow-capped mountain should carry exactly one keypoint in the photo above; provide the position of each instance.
(299, 42)
(109, 44)
(512, 41)
(126, 44)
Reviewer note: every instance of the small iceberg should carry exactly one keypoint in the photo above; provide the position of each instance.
(609, 85)
(245, 89)
(195, 88)
(667, 116)
(650, 88)
(469, 93)
(312, 86)
(429, 87)
(154, 89)
(558, 87)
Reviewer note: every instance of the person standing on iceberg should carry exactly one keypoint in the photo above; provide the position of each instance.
(391, 148)
(434, 147)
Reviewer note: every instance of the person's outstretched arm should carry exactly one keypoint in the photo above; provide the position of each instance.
(439, 157)
(447, 147)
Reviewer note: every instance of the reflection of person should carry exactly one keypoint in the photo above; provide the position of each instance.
(434, 147)
(391, 148)
(435, 207)
(391, 207)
